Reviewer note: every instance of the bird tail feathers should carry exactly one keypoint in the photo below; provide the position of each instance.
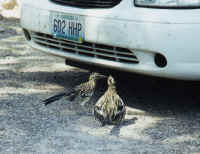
(53, 98)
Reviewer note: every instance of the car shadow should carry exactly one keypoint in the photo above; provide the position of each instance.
(151, 94)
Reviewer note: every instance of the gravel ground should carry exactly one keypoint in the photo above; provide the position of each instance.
(163, 115)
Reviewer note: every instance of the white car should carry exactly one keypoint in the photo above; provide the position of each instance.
(152, 37)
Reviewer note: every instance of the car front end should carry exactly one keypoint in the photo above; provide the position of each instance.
(141, 36)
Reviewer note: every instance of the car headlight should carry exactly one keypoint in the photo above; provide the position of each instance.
(168, 3)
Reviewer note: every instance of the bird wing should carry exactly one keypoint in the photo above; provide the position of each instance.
(121, 107)
(85, 89)
(120, 102)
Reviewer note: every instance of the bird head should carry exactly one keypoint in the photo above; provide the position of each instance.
(95, 76)
(111, 80)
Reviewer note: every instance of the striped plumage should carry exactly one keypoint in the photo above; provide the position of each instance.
(110, 108)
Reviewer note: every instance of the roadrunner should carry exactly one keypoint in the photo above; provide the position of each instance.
(110, 108)
(82, 93)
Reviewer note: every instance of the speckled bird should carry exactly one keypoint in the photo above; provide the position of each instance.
(81, 93)
(110, 108)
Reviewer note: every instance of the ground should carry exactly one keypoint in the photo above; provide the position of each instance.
(163, 115)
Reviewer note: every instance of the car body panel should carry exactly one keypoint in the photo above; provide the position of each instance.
(146, 32)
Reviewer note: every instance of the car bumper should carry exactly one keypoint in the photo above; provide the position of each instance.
(173, 35)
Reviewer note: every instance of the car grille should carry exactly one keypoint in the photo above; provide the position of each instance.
(87, 49)
(89, 3)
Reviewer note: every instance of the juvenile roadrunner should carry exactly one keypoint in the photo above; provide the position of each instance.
(110, 108)
(82, 93)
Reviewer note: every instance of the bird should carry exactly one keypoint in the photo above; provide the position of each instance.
(81, 93)
(110, 108)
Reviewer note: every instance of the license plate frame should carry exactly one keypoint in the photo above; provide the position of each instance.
(67, 26)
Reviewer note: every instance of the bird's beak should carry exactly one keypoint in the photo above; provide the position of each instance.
(100, 76)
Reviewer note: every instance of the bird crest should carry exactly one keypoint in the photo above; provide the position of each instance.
(94, 76)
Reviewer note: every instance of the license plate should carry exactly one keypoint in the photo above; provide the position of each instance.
(67, 26)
